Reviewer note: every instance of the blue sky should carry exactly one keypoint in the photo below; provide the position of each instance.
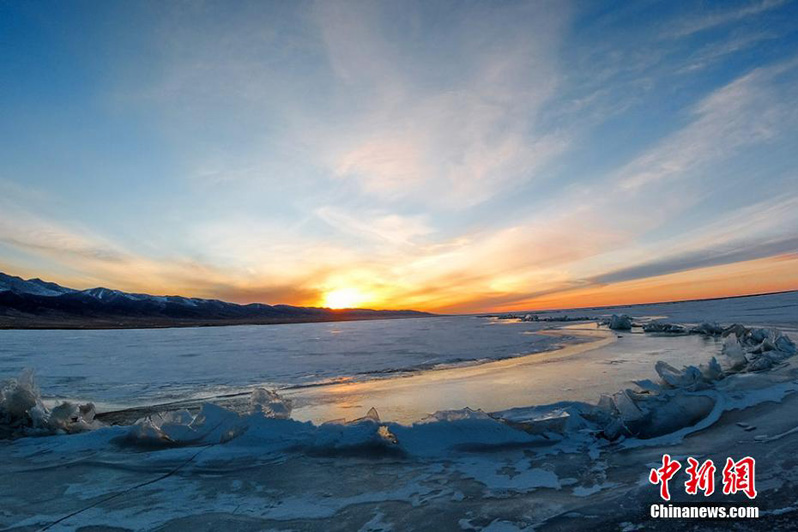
(439, 155)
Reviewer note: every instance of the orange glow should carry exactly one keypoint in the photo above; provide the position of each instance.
(772, 274)
(344, 298)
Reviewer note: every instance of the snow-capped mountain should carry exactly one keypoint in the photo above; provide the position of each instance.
(37, 303)
(31, 286)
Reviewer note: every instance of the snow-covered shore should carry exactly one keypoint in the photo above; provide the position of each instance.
(561, 467)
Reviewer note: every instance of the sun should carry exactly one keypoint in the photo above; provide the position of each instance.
(344, 298)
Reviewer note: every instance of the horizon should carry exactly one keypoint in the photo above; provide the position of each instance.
(449, 158)
(553, 309)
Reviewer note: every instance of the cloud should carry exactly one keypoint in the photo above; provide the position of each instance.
(712, 53)
(444, 156)
(461, 127)
(708, 256)
(747, 111)
(692, 25)
(380, 226)
(35, 234)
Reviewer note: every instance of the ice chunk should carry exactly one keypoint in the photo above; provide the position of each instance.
(648, 385)
(712, 371)
(372, 415)
(364, 434)
(733, 353)
(18, 396)
(388, 436)
(736, 329)
(760, 364)
(673, 412)
(87, 412)
(145, 433)
(62, 415)
(670, 328)
(270, 404)
(755, 349)
(455, 415)
(627, 409)
(559, 418)
(785, 344)
(22, 412)
(620, 323)
(213, 424)
(690, 377)
(216, 424)
(709, 329)
(177, 426)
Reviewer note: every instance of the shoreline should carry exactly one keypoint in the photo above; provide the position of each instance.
(204, 324)
(302, 393)
(633, 305)
(391, 396)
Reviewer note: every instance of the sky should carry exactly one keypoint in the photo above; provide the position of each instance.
(459, 156)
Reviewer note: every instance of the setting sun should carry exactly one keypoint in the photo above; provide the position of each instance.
(344, 298)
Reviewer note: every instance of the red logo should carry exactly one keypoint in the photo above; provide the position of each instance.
(663, 475)
(737, 476)
(701, 478)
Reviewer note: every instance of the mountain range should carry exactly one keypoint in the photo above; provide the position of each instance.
(37, 304)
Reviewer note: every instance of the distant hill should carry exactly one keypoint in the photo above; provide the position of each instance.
(37, 304)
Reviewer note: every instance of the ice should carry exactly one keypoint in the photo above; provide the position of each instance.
(620, 322)
(713, 370)
(672, 412)
(256, 462)
(19, 396)
(559, 418)
(773, 310)
(212, 424)
(670, 328)
(755, 349)
(683, 398)
(690, 377)
(164, 365)
(465, 430)
(733, 353)
(708, 329)
(270, 404)
(455, 415)
(360, 436)
(22, 412)
(648, 385)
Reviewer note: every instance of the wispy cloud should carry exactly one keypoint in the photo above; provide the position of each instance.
(461, 126)
(747, 111)
(384, 227)
(712, 53)
(723, 16)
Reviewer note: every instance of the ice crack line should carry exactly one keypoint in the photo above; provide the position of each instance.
(133, 488)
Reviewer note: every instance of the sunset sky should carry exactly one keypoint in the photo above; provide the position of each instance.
(444, 156)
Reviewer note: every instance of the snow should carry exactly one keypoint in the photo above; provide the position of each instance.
(31, 286)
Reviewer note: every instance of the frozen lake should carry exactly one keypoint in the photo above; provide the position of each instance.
(604, 363)
(134, 367)
(382, 363)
